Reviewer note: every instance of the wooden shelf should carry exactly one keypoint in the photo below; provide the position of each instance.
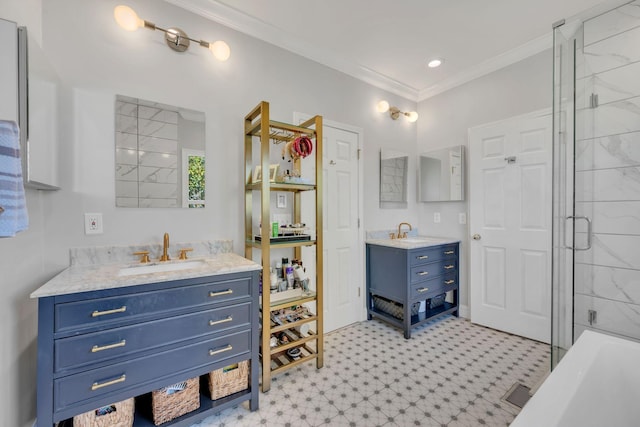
(281, 186)
(255, 129)
(296, 244)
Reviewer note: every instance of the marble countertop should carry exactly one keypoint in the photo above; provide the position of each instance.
(412, 242)
(95, 277)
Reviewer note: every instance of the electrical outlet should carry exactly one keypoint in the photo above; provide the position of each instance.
(462, 218)
(93, 223)
(436, 217)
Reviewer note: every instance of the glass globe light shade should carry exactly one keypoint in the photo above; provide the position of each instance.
(382, 107)
(220, 50)
(127, 18)
(412, 116)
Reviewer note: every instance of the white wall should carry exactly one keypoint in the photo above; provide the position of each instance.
(96, 60)
(445, 119)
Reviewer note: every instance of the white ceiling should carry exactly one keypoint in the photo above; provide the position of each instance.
(387, 43)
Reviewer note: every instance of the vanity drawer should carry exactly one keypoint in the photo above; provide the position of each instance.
(93, 384)
(424, 272)
(74, 316)
(431, 288)
(77, 351)
(431, 254)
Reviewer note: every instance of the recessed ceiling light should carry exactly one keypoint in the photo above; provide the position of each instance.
(435, 62)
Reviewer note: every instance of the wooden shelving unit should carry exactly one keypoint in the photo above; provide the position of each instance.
(270, 134)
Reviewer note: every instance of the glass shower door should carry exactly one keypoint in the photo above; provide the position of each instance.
(607, 174)
(596, 190)
(563, 131)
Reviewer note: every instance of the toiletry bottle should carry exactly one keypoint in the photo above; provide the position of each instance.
(289, 276)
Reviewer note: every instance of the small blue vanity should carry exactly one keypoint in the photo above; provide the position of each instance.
(405, 275)
(106, 334)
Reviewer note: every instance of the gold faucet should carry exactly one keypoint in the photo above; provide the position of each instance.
(165, 248)
(402, 235)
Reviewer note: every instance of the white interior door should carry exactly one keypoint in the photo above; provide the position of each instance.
(510, 224)
(342, 250)
(343, 238)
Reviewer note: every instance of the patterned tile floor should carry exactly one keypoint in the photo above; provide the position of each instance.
(450, 373)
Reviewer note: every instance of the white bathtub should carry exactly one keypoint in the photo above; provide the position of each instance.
(597, 383)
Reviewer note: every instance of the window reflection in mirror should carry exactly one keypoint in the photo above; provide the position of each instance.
(441, 175)
(394, 170)
(160, 155)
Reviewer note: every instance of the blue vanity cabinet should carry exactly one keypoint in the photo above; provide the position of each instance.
(409, 276)
(100, 347)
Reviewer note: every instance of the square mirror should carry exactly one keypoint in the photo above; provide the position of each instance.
(394, 171)
(441, 175)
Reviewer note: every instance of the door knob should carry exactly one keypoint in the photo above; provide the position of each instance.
(477, 237)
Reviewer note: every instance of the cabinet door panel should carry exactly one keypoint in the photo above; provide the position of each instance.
(96, 383)
(427, 271)
(74, 316)
(97, 347)
(431, 288)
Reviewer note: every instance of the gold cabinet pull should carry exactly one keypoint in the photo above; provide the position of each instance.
(217, 294)
(97, 385)
(448, 282)
(449, 252)
(114, 311)
(448, 267)
(423, 273)
(423, 257)
(97, 348)
(217, 322)
(222, 350)
(421, 290)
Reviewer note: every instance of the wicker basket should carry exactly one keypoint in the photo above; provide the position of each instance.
(436, 301)
(166, 406)
(119, 414)
(229, 380)
(393, 308)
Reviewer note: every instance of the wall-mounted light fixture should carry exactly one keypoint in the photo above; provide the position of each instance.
(176, 39)
(394, 112)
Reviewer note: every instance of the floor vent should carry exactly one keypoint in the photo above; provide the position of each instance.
(517, 395)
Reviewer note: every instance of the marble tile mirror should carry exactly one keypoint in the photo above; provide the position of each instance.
(160, 155)
(394, 171)
(441, 175)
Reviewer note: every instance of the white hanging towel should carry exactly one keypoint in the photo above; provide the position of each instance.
(13, 206)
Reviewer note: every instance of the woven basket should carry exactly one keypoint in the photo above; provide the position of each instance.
(166, 407)
(393, 308)
(229, 380)
(120, 415)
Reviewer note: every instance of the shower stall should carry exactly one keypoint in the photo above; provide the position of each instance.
(596, 177)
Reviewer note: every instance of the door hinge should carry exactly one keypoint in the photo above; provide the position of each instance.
(592, 316)
(358, 291)
(358, 222)
(593, 100)
(358, 152)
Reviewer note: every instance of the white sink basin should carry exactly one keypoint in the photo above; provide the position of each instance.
(160, 268)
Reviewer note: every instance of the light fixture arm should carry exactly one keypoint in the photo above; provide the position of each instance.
(176, 39)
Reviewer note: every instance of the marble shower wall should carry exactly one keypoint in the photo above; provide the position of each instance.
(607, 168)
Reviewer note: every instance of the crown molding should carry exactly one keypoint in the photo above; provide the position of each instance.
(490, 65)
(239, 21)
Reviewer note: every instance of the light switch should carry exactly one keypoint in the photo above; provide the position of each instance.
(436, 217)
(462, 218)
